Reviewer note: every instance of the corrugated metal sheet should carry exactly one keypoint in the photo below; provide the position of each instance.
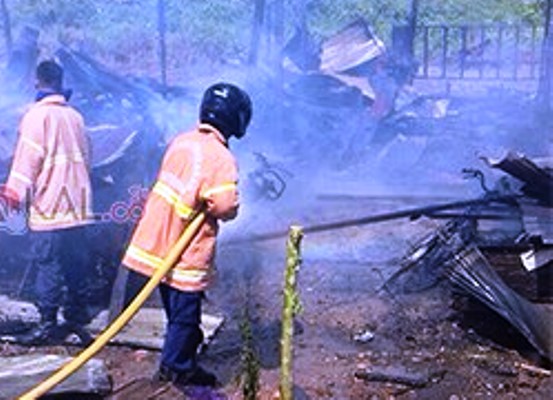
(471, 271)
(538, 182)
(351, 47)
(449, 253)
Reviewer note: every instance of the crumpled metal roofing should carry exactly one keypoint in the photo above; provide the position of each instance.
(449, 253)
(538, 181)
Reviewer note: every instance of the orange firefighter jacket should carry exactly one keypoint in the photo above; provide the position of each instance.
(50, 166)
(197, 169)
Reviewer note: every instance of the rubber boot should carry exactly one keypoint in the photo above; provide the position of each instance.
(44, 334)
(85, 338)
(196, 377)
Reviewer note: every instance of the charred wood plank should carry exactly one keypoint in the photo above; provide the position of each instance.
(400, 375)
(91, 79)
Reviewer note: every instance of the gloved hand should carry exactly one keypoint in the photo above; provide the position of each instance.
(9, 200)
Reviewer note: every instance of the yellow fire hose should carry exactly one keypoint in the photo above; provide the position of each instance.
(69, 368)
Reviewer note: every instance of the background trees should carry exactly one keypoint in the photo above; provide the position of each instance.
(124, 34)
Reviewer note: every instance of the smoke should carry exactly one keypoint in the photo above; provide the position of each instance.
(318, 136)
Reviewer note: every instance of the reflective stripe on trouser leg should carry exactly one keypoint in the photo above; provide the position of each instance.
(183, 334)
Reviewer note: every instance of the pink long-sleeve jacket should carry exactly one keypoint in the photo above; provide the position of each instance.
(198, 170)
(50, 168)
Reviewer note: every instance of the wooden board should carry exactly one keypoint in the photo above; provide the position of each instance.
(21, 373)
(146, 328)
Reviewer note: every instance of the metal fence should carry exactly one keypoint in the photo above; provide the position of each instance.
(478, 52)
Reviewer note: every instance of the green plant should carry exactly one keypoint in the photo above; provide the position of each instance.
(291, 307)
(250, 360)
(123, 33)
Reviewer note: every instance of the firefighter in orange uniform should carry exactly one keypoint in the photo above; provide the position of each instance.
(50, 171)
(198, 171)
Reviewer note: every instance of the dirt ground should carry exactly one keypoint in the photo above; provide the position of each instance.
(354, 340)
(438, 344)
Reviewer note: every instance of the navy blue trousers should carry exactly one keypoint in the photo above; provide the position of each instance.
(61, 259)
(183, 334)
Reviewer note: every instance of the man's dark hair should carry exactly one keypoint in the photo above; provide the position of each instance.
(50, 74)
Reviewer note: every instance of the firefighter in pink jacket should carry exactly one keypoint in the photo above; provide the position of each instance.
(198, 171)
(49, 176)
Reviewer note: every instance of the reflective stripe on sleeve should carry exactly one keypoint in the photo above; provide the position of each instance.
(23, 178)
(219, 189)
(172, 180)
(32, 144)
(172, 197)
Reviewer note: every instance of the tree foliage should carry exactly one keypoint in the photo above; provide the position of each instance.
(326, 16)
(220, 29)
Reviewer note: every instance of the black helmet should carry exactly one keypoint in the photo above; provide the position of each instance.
(228, 108)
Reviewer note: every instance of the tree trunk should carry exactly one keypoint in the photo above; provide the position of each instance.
(161, 27)
(22, 60)
(545, 97)
(7, 28)
(412, 27)
(258, 18)
(278, 27)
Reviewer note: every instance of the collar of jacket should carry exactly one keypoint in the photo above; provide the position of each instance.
(54, 98)
(210, 130)
(42, 93)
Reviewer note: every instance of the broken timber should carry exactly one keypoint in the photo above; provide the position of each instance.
(400, 375)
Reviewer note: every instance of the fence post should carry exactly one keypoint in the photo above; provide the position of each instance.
(412, 26)
(445, 40)
(258, 18)
(546, 77)
(464, 51)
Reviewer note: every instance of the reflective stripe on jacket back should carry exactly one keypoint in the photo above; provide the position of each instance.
(197, 170)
